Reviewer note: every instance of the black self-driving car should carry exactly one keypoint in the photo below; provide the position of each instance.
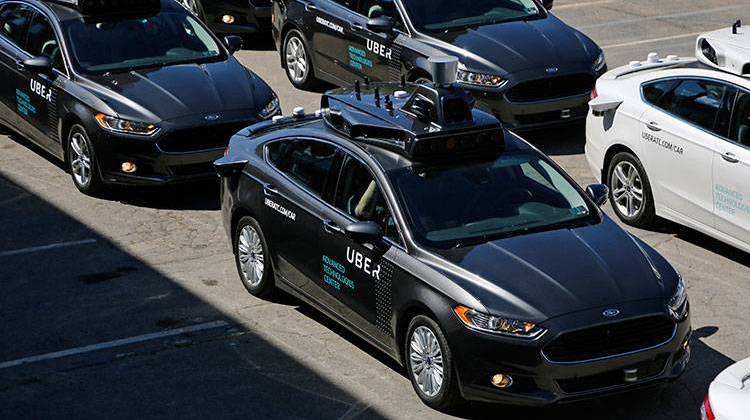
(124, 92)
(521, 62)
(242, 17)
(453, 246)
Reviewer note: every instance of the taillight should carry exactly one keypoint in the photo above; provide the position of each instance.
(594, 93)
(226, 151)
(706, 412)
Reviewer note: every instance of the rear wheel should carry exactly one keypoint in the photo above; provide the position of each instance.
(630, 190)
(297, 61)
(252, 258)
(429, 364)
(82, 163)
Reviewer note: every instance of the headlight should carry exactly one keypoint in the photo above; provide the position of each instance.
(600, 62)
(480, 79)
(497, 325)
(119, 125)
(678, 303)
(270, 109)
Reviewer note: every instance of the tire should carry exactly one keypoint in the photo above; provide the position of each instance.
(250, 246)
(627, 181)
(82, 163)
(446, 394)
(294, 54)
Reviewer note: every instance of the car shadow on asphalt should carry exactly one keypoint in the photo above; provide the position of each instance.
(258, 42)
(86, 294)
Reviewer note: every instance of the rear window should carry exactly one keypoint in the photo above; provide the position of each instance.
(654, 92)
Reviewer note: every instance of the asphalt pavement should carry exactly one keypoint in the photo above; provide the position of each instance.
(130, 306)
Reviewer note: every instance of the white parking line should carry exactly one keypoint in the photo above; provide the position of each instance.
(582, 4)
(46, 247)
(661, 17)
(114, 343)
(648, 41)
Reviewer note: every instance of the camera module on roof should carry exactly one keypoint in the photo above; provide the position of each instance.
(111, 7)
(726, 49)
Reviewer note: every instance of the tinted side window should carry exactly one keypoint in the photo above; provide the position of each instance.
(654, 92)
(349, 4)
(41, 41)
(697, 101)
(307, 161)
(359, 196)
(740, 127)
(14, 23)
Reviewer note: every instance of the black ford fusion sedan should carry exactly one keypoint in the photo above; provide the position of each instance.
(521, 62)
(453, 246)
(129, 93)
(232, 16)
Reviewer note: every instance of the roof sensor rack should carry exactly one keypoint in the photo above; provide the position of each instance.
(112, 7)
(419, 121)
(726, 49)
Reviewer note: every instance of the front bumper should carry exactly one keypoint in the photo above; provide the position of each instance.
(165, 158)
(538, 381)
(250, 16)
(540, 108)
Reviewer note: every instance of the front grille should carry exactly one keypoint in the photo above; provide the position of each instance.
(192, 169)
(646, 370)
(551, 88)
(610, 339)
(200, 138)
(552, 116)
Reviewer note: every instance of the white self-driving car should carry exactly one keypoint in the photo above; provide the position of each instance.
(671, 137)
(729, 394)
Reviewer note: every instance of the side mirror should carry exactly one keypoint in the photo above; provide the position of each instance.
(364, 232)
(383, 25)
(233, 43)
(39, 65)
(548, 4)
(599, 193)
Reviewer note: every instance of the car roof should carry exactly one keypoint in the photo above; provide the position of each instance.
(65, 13)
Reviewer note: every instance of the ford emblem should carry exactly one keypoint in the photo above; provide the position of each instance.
(552, 70)
(211, 117)
(609, 313)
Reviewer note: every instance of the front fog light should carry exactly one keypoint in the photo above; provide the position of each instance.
(502, 381)
(128, 167)
(228, 19)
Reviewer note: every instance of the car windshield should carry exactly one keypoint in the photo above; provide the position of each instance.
(122, 45)
(459, 205)
(447, 15)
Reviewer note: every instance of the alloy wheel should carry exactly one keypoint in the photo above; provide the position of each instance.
(426, 361)
(627, 189)
(250, 253)
(80, 159)
(296, 59)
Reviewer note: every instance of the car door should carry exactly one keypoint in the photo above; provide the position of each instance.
(42, 89)
(678, 143)
(356, 274)
(292, 206)
(330, 22)
(375, 54)
(16, 98)
(732, 170)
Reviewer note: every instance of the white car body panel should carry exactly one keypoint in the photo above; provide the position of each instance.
(692, 182)
(729, 393)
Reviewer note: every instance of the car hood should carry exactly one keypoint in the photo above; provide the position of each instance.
(511, 47)
(544, 275)
(176, 91)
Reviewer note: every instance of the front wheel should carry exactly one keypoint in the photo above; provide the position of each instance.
(252, 258)
(630, 190)
(297, 61)
(430, 365)
(82, 163)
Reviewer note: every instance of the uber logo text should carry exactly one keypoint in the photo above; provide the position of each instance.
(379, 49)
(365, 264)
(281, 210)
(41, 90)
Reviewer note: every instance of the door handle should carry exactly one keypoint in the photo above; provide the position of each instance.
(653, 126)
(270, 190)
(730, 157)
(20, 66)
(331, 227)
(357, 26)
(310, 6)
